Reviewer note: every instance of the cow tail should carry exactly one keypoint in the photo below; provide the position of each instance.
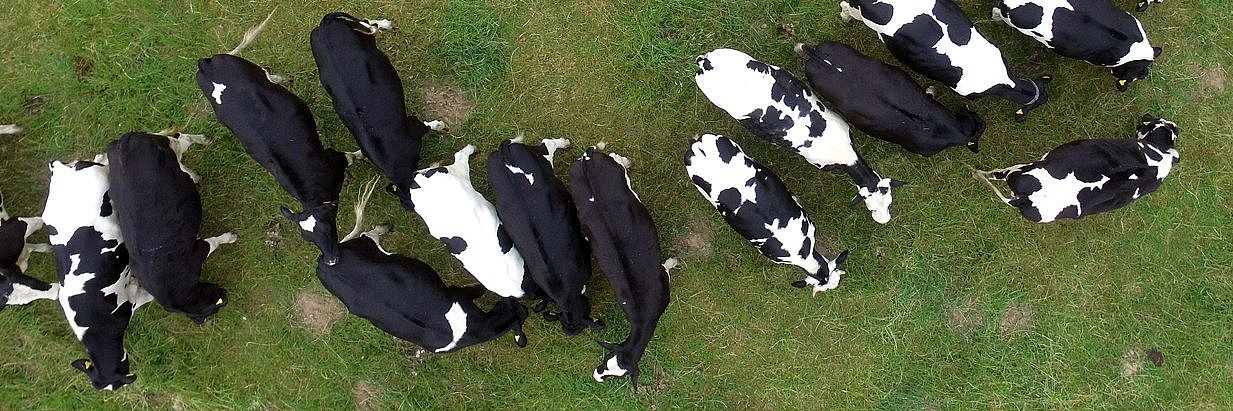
(360, 203)
(251, 34)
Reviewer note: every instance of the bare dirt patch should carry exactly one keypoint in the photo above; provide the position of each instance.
(83, 68)
(1156, 357)
(699, 241)
(1213, 78)
(1132, 362)
(1017, 317)
(659, 385)
(35, 105)
(274, 233)
(964, 318)
(317, 311)
(447, 104)
(366, 395)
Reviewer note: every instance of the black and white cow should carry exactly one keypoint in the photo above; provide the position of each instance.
(1094, 31)
(98, 292)
(543, 224)
(16, 288)
(755, 202)
(405, 297)
(773, 104)
(626, 245)
(469, 227)
(278, 131)
(1085, 177)
(885, 103)
(368, 96)
(935, 38)
(159, 212)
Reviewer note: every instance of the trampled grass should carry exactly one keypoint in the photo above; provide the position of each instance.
(958, 303)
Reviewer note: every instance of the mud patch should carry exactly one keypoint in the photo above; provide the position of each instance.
(1016, 318)
(699, 241)
(274, 233)
(366, 395)
(35, 105)
(317, 311)
(1132, 363)
(1155, 356)
(1213, 79)
(447, 104)
(660, 384)
(964, 318)
(83, 68)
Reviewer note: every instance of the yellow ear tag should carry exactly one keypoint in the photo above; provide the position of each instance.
(220, 302)
(1147, 123)
(89, 364)
(132, 375)
(1121, 82)
(1142, 3)
(517, 338)
(1020, 112)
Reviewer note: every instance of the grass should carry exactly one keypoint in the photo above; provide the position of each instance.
(957, 304)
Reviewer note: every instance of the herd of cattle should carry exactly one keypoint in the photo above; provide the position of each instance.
(123, 227)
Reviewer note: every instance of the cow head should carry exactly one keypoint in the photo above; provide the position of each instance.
(105, 376)
(317, 227)
(1157, 131)
(827, 277)
(877, 199)
(1134, 70)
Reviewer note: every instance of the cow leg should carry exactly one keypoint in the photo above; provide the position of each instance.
(276, 79)
(353, 156)
(100, 158)
(215, 241)
(32, 224)
(553, 145)
(436, 125)
(999, 15)
(462, 166)
(10, 129)
(848, 13)
(377, 25)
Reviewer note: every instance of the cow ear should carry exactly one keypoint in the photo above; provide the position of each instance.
(897, 183)
(799, 284)
(288, 214)
(843, 257)
(1147, 119)
(1156, 52)
(855, 200)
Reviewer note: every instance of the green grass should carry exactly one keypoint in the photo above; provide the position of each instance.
(916, 324)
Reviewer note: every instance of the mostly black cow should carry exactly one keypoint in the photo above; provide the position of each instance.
(278, 131)
(773, 104)
(1094, 31)
(626, 246)
(543, 224)
(469, 227)
(755, 202)
(1085, 177)
(406, 298)
(16, 288)
(368, 96)
(97, 290)
(935, 38)
(885, 103)
(159, 212)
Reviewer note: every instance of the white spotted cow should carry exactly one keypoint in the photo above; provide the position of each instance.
(543, 224)
(16, 288)
(1085, 177)
(159, 212)
(755, 203)
(1094, 31)
(469, 227)
(405, 297)
(368, 96)
(773, 104)
(897, 110)
(98, 292)
(935, 38)
(626, 246)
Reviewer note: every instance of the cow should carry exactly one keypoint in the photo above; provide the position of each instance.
(885, 103)
(1085, 177)
(405, 297)
(16, 288)
(543, 224)
(159, 212)
(98, 292)
(277, 130)
(1094, 31)
(936, 39)
(773, 104)
(368, 96)
(468, 225)
(755, 202)
(626, 246)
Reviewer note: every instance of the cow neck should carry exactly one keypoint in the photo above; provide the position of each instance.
(862, 174)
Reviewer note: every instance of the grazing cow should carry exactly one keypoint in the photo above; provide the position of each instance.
(626, 246)
(935, 38)
(897, 110)
(278, 131)
(98, 292)
(15, 287)
(543, 224)
(1094, 31)
(406, 298)
(755, 202)
(159, 211)
(773, 104)
(1085, 177)
(469, 227)
(368, 96)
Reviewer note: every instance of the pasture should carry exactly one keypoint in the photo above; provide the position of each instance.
(957, 303)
